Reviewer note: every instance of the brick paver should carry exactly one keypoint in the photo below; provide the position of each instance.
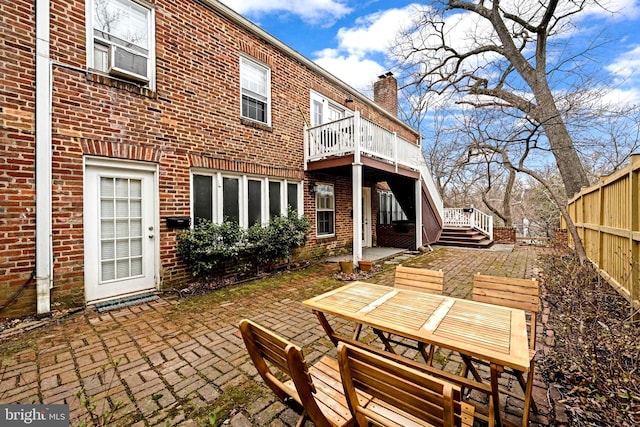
(176, 361)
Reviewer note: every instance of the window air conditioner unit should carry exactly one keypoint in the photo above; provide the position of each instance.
(128, 65)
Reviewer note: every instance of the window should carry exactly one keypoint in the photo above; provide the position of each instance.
(123, 39)
(292, 196)
(254, 202)
(324, 110)
(245, 200)
(202, 197)
(389, 209)
(231, 199)
(256, 92)
(275, 203)
(325, 210)
(335, 113)
(317, 112)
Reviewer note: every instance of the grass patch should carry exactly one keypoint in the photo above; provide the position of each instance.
(229, 403)
(267, 284)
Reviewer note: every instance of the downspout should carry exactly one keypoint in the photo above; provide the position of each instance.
(44, 250)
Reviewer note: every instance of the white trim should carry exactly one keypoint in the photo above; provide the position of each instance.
(267, 68)
(43, 95)
(151, 61)
(243, 195)
(418, 203)
(324, 236)
(327, 105)
(120, 164)
(124, 166)
(356, 191)
(243, 200)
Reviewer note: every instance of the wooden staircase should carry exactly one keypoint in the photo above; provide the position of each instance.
(464, 237)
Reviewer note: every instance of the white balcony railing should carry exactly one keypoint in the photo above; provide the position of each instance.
(469, 217)
(358, 136)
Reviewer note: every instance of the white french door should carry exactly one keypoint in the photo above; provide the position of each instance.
(120, 231)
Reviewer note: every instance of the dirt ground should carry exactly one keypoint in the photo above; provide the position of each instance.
(594, 361)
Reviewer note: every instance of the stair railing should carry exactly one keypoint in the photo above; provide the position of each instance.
(469, 217)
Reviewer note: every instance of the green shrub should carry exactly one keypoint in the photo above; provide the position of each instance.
(210, 250)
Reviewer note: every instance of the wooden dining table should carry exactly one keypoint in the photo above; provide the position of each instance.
(495, 334)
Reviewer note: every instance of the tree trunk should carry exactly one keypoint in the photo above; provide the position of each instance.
(567, 160)
(577, 242)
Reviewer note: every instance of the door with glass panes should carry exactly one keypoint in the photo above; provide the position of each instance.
(120, 232)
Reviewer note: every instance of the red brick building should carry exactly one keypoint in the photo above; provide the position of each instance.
(122, 118)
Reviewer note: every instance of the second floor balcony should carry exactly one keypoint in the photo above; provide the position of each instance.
(357, 140)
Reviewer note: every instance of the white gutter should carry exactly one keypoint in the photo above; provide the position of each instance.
(44, 250)
(259, 32)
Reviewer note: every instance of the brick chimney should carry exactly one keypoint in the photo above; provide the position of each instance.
(385, 93)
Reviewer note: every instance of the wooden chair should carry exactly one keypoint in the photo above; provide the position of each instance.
(421, 280)
(316, 390)
(401, 396)
(513, 293)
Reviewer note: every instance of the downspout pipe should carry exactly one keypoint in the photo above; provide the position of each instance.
(43, 95)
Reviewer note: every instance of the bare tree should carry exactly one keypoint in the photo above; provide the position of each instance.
(499, 60)
(484, 128)
(607, 136)
(538, 205)
(528, 141)
(445, 155)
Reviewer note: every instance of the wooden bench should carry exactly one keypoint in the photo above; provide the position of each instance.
(400, 396)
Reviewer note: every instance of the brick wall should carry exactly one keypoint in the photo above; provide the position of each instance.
(191, 120)
(560, 238)
(397, 235)
(385, 93)
(17, 156)
(505, 235)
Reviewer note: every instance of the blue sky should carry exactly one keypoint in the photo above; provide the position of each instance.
(349, 37)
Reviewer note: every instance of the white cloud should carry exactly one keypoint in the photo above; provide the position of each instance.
(619, 97)
(374, 33)
(625, 66)
(354, 70)
(311, 11)
(625, 70)
(616, 9)
(359, 57)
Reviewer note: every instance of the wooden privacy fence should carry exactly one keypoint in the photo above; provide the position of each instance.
(606, 216)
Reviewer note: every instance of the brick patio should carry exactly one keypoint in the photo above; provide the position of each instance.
(175, 361)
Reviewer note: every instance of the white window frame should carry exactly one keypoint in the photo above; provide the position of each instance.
(218, 196)
(328, 106)
(318, 189)
(91, 42)
(246, 61)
